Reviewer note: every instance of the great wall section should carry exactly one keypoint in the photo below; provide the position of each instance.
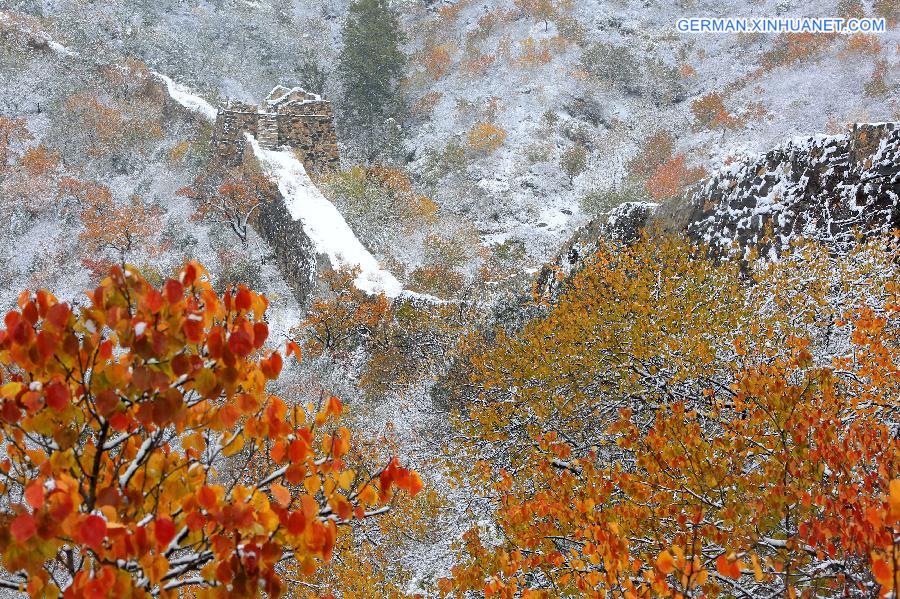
(831, 188)
(289, 118)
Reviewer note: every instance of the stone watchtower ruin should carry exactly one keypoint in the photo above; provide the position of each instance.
(290, 118)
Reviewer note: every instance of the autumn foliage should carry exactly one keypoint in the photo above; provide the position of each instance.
(672, 177)
(668, 430)
(144, 454)
(231, 199)
(710, 112)
(486, 138)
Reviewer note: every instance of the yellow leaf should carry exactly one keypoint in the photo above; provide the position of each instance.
(312, 484)
(10, 390)
(346, 478)
(233, 446)
(757, 570)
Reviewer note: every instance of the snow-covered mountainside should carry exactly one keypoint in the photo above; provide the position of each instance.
(525, 132)
(595, 77)
(834, 189)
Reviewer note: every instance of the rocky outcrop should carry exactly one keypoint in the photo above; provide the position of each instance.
(828, 188)
(832, 189)
(622, 224)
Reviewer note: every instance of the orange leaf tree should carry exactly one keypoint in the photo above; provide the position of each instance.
(143, 453)
(235, 200)
(668, 430)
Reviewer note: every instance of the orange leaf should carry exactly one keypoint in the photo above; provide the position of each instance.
(293, 348)
(895, 498)
(665, 563)
(727, 567)
(882, 572)
(281, 494)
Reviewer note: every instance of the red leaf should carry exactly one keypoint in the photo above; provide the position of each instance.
(271, 368)
(57, 396)
(30, 313)
(92, 531)
(119, 421)
(106, 402)
(174, 291)
(10, 412)
(47, 344)
(296, 523)
(244, 299)
(260, 334)
(240, 343)
(193, 329)
(293, 348)
(23, 528)
(207, 498)
(58, 315)
(154, 301)
(189, 274)
(34, 494)
(164, 529)
(181, 364)
(215, 342)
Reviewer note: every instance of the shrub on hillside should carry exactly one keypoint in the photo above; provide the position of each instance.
(486, 138)
(574, 161)
(790, 48)
(672, 177)
(602, 201)
(710, 112)
(617, 65)
(655, 151)
(436, 60)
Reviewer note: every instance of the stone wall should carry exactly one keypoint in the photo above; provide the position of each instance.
(232, 121)
(286, 119)
(295, 254)
(828, 188)
(306, 126)
(309, 128)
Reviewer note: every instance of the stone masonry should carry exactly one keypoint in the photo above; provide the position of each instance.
(290, 118)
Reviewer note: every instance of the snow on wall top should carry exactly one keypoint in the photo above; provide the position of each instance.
(322, 222)
(281, 94)
(186, 98)
(30, 27)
